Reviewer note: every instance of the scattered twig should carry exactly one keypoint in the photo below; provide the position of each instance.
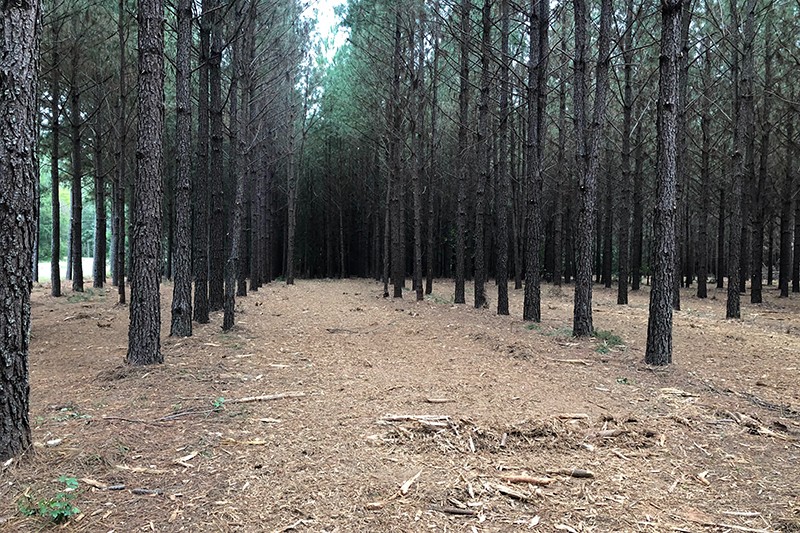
(405, 487)
(540, 481)
(573, 416)
(509, 491)
(574, 472)
(573, 361)
(131, 420)
(455, 511)
(147, 492)
(439, 400)
(267, 397)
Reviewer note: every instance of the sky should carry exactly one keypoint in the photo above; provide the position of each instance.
(327, 22)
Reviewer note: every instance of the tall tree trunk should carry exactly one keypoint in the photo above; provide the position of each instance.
(587, 156)
(144, 336)
(418, 169)
(463, 149)
(531, 307)
(659, 326)
(99, 266)
(758, 207)
(432, 166)
(395, 136)
(626, 186)
(19, 53)
(705, 175)
(721, 263)
(559, 226)
(743, 133)
(121, 175)
(786, 207)
(503, 180)
(482, 145)
(682, 215)
(200, 185)
(55, 139)
(76, 225)
(217, 222)
(608, 225)
(181, 325)
(638, 209)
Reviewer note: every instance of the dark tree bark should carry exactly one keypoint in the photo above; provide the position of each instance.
(503, 180)
(144, 336)
(482, 149)
(627, 185)
(200, 182)
(559, 228)
(638, 210)
(395, 134)
(608, 225)
(758, 207)
(786, 208)
(121, 175)
(705, 175)
(418, 169)
(181, 325)
(682, 214)
(743, 139)
(19, 53)
(587, 156)
(291, 194)
(76, 223)
(659, 326)
(217, 222)
(432, 166)
(531, 307)
(463, 131)
(721, 264)
(55, 139)
(99, 263)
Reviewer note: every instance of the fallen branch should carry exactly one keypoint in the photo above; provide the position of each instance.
(267, 397)
(540, 481)
(573, 361)
(574, 472)
(513, 493)
(439, 400)
(455, 511)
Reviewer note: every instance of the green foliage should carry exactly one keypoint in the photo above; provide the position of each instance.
(610, 340)
(57, 509)
(218, 404)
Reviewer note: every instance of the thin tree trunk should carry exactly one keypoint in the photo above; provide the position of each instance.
(626, 187)
(181, 325)
(463, 149)
(200, 185)
(638, 209)
(482, 145)
(99, 263)
(503, 180)
(55, 139)
(432, 166)
(786, 207)
(705, 176)
(120, 159)
(418, 169)
(217, 222)
(395, 135)
(76, 226)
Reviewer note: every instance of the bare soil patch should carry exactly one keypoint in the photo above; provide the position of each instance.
(406, 416)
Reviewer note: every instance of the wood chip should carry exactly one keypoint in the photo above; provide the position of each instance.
(512, 492)
(574, 472)
(405, 487)
(94, 483)
(455, 511)
(573, 416)
(439, 400)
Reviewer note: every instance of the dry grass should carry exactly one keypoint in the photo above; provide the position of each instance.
(712, 440)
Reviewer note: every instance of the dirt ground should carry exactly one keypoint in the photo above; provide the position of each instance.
(402, 416)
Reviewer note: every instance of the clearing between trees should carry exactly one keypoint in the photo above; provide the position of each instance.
(330, 408)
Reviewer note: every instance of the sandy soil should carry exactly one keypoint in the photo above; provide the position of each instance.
(406, 416)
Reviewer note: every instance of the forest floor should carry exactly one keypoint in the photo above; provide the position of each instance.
(399, 415)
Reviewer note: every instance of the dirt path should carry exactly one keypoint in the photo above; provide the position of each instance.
(476, 398)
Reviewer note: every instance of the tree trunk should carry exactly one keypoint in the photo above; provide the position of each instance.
(626, 186)
(121, 175)
(758, 208)
(99, 263)
(743, 133)
(55, 136)
(18, 117)
(200, 185)
(463, 150)
(418, 168)
(76, 225)
(144, 337)
(786, 207)
(503, 180)
(531, 307)
(482, 148)
(705, 175)
(395, 148)
(432, 166)
(181, 325)
(659, 326)
(587, 156)
(721, 264)
(217, 222)
(638, 210)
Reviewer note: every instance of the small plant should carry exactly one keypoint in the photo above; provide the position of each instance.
(218, 404)
(624, 381)
(534, 327)
(610, 340)
(57, 509)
